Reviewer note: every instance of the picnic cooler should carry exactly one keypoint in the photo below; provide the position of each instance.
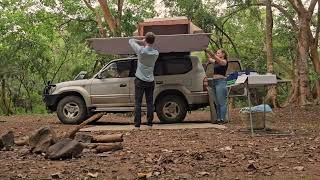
(257, 118)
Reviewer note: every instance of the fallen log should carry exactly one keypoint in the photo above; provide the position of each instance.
(108, 138)
(95, 145)
(109, 147)
(93, 118)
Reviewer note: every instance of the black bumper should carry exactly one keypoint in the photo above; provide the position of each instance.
(51, 101)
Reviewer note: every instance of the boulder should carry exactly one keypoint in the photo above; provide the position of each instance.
(41, 139)
(6, 140)
(64, 149)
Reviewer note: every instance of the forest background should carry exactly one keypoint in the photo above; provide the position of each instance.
(45, 40)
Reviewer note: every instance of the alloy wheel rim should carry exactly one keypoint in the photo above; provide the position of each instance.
(171, 110)
(71, 110)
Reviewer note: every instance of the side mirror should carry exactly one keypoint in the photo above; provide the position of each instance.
(81, 75)
(99, 76)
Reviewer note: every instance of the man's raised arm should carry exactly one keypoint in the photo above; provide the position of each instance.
(134, 43)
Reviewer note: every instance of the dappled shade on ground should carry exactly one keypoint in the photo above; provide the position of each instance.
(190, 153)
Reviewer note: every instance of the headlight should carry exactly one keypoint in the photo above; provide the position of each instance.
(52, 89)
(49, 89)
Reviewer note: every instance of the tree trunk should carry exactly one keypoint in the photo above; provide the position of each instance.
(6, 108)
(109, 18)
(294, 92)
(303, 48)
(272, 91)
(316, 64)
(102, 31)
(315, 57)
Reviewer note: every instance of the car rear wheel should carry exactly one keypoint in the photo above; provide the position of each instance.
(71, 110)
(171, 109)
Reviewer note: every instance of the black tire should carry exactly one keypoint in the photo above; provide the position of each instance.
(171, 109)
(72, 110)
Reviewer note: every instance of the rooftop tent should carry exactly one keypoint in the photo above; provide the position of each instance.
(163, 43)
(167, 26)
(173, 35)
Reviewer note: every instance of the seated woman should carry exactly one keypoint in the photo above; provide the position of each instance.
(220, 61)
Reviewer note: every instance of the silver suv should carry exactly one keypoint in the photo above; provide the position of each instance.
(180, 86)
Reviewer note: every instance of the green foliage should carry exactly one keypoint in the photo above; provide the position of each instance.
(43, 41)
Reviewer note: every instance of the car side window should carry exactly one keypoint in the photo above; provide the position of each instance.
(177, 66)
(119, 69)
(158, 68)
(123, 69)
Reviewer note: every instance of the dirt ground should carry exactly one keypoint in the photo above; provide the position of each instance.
(291, 150)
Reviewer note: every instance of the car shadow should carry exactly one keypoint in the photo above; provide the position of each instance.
(103, 123)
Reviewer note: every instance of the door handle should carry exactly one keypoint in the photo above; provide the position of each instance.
(123, 85)
(159, 82)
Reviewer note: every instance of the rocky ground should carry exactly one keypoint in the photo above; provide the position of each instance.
(291, 150)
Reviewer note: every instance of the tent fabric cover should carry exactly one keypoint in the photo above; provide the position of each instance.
(163, 43)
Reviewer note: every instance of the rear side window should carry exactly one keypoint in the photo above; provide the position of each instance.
(170, 66)
(177, 66)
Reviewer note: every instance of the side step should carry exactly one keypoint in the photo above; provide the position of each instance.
(118, 109)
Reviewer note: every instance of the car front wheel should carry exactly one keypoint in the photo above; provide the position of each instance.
(71, 110)
(171, 108)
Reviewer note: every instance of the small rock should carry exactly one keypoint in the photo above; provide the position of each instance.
(198, 156)
(142, 176)
(252, 167)
(167, 151)
(7, 140)
(184, 176)
(149, 160)
(251, 161)
(83, 137)
(156, 173)
(22, 176)
(104, 154)
(24, 151)
(276, 149)
(311, 160)
(268, 173)
(227, 148)
(93, 175)
(203, 173)
(299, 168)
(22, 141)
(56, 176)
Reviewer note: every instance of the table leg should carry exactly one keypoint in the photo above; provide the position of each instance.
(228, 112)
(264, 107)
(250, 115)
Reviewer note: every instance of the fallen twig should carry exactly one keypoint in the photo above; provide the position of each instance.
(93, 118)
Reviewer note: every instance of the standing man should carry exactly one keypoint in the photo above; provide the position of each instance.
(144, 82)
